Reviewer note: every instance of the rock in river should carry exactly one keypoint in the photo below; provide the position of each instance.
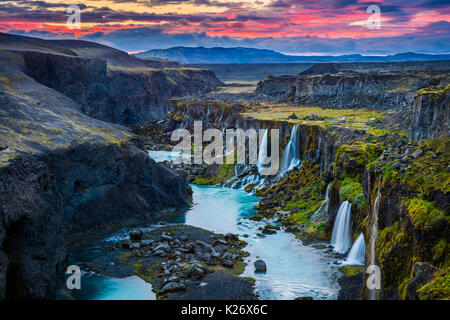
(260, 266)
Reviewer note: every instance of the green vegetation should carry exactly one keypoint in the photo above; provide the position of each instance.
(224, 172)
(354, 118)
(438, 288)
(434, 91)
(352, 191)
(424, 215)
(352, 159)
(300, 194)
(351, 270)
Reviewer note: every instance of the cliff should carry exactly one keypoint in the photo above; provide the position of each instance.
(430, 114)
(398, 189)
(108, 84)
(66, 177)
(331, 87)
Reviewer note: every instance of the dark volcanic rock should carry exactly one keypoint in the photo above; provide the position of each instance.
(423, 273)
(260, 266)
(378, 90)
(219, 285)
(351, 287)
(65, 177)
(431, 114)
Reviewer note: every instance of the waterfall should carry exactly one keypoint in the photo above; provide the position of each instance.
(262, 154)
(374, 234)
(341, 237)
(323, 210)
(319, 148)
(357, 252)
(291, 155)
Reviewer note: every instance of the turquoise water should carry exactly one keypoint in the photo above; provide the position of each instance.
(97, 287)
(293, 269)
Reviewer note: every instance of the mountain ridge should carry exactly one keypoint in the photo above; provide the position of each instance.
(230, 55)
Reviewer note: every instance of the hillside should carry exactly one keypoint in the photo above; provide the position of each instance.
(65, 176)
(107, 83)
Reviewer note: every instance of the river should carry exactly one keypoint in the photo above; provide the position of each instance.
(293, 269)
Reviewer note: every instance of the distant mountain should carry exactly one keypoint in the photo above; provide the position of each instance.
(199, 55)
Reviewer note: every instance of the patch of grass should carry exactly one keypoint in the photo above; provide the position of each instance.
(354, 118)
(352, 190)
(424, 215)
(225, 172)
(351, 270)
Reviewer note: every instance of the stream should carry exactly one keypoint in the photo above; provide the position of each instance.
(293, 269)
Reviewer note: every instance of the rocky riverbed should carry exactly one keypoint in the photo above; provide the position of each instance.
(180, 261)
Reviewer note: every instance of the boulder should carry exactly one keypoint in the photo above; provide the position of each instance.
(227, 263)
(136, 234)
(260, 266)
(422, 274)
(172, 287)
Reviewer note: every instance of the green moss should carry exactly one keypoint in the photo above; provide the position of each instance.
(149, 273)
(303, 210)
(352, 159)
(394, 254)
(351, 270)
(434, 91)
(438, 288)
(299, 194)
(225, 172)
(352, 191)
(424, 215)
(429, 172)
(439, 249)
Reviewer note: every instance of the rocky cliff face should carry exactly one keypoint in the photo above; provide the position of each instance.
(117, 94)
(411, 244)
(63, 175)
(374, 90)
(431, 114)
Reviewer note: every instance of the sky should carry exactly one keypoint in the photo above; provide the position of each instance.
(302, 27)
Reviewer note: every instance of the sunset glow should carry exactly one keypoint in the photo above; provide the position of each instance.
(287, 25)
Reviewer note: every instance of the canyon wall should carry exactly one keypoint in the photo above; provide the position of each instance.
(430, 114)
(116, 94)
(64, 176)
(410, 234)
(389, 90)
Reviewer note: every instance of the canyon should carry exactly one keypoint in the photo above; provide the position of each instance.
(72, 173)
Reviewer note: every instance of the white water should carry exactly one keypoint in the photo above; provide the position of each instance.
(374, 235)
(291, 155)
(357, 252)
(323, 210)
(293, 269)
(262, 154)
(341, 237)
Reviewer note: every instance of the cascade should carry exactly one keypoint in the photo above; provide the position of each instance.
(357, 252)
(262, 154)
(341, 237)
(374, 234)
(291, 155)
(323, 210)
